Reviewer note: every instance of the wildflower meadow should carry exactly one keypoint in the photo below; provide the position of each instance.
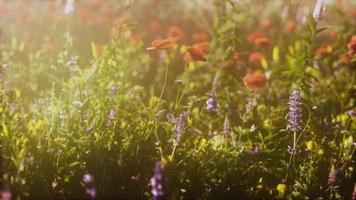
(177, 99)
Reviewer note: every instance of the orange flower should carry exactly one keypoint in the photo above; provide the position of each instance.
(344, 58)
(259, 39)
(289, 26)
(164, 44)
(193, 54)
(203, 46)
(255, 58)
(175, 31)
(200, 36)
(196, 52)
(351, 46)
(253, 36)
(263, 42)
(255, 81)
(322, 51)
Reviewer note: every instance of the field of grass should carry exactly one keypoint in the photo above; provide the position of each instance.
(177, 99)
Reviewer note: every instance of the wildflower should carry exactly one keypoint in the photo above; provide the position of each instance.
(112, 113)
(255, 82)
(88, 178)
(179, 125)
(282, 188)
(319, 10)
(164, 44)
(69, 7)
(311, 145)
(255, 149)
(351, 46)
(332, 176)
(212, 103)
(352, 113)
(255, 58)
(255, 35)
(323, 50)
(114, 88)
(251, 103)
(72, 63)
(201, 36)
(293, 150)
(226, 127)
(90, 190)
(175, 31)
(5, 194)
(196, 52)
(111, 116)
(295, 111)
(157, 183)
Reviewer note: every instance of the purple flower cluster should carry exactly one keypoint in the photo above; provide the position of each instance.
(90, 190)
(255, 149)
(157, 183)
(295, 111)
(226, 127)
(212, 103)
(332, 176)
(111, 115)
(292, 150)
(319, 10)
(179, 125)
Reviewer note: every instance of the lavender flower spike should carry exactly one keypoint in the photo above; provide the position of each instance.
(295, 111)
(179, 125)
(319, 10)
(157, 183)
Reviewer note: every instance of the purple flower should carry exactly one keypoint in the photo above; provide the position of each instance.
(179, 125)
(255, 149)
(292, 150)
(251, 103)
(352, 113)
(5, 194)
(114, 88)
(319, 10)
(332, 176)
(72, 63)
(226, 127)
(88, 178)
(91, 192)
(212, 103)
(295, 111)
(157, 183)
